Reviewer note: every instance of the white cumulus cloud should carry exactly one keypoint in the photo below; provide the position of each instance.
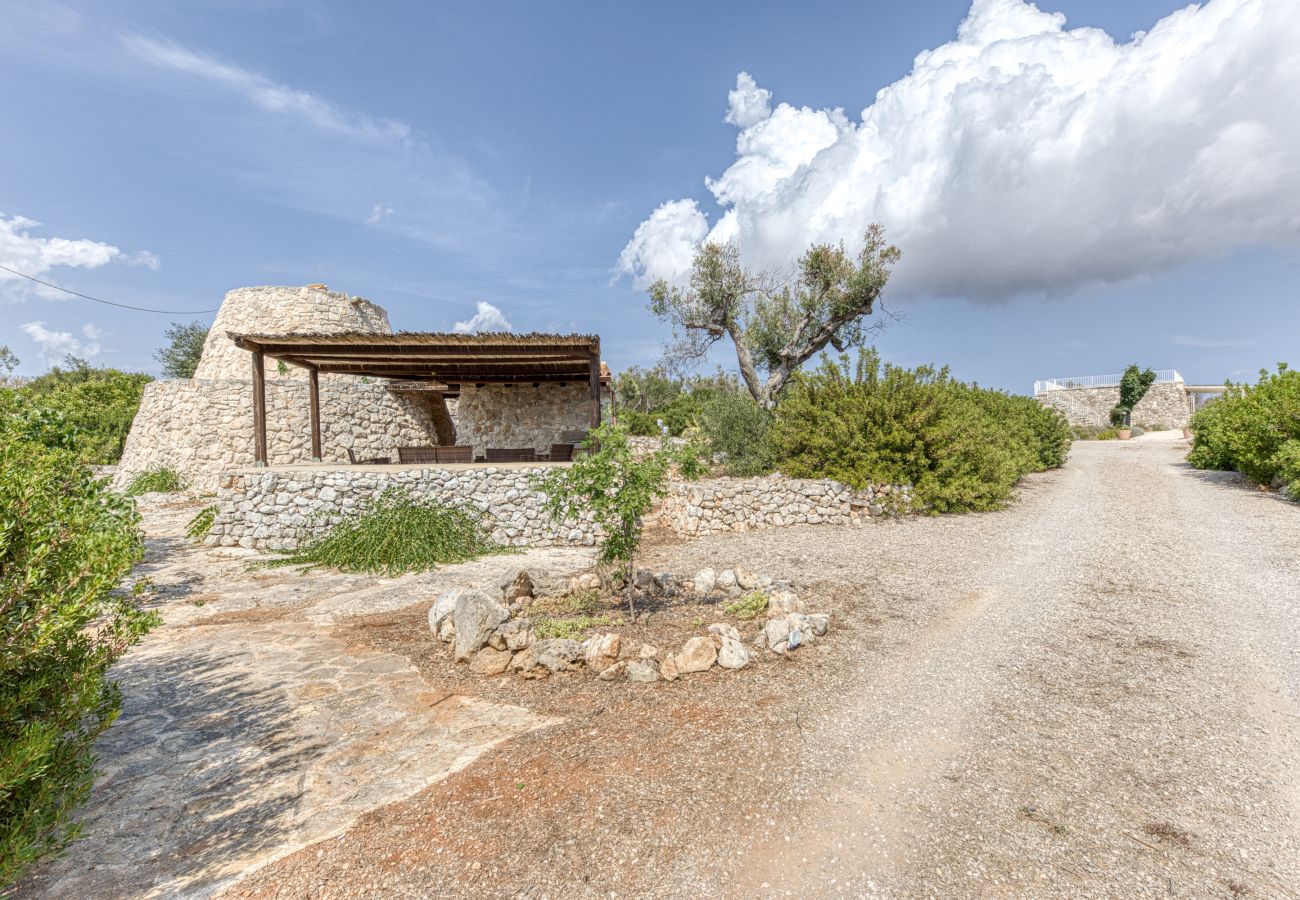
(487, 318)
(25, 252)
(1024, 157)
(54, 346)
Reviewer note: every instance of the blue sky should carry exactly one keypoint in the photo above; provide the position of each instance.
(434, 156)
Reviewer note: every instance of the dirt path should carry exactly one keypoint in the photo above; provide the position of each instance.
(1095, 692)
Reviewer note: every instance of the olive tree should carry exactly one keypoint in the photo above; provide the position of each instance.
(776, 322)
(184, 348)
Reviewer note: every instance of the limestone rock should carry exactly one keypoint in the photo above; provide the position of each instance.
(489, 661)
(783, 602)
(725, 630)
(668, 669)
(442, 607)
(705, 581)
(745, 579)
(775, 633)
(475, 616)
(556, 654)
(518, 585)
(644, 581)
(727, 579)
(614, 672)
(600, 652)
(733, 654)
(821, 623)
(641, 670)
(648, 651)
(523, 661)
(697, 655)
(763, 582)
(447, 631)
(587, 581)
(518, 633)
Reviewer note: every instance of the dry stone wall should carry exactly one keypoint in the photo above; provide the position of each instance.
(746, 504)
(204, 429)
(521, 416)
(273, 510)
(1166, 405)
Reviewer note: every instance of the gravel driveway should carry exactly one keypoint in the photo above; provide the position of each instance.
(1095, 692)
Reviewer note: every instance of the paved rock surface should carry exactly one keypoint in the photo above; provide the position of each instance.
(249, 730)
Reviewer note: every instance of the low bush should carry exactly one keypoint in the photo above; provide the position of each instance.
(573, 628)
(96, 404)
(65, 543)
(750, 606)
(155, 481)
(201, 524)
(394, 534)
(1253, 429)
(1094, 433)
(961, 447)
(738, 432)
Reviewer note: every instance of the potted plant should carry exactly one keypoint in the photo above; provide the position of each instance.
(1133, 385)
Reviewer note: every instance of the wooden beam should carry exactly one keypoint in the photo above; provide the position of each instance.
(313, 394)
(594, 374)
(259, 409)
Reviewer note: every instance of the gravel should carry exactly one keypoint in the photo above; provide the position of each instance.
(1092, 693)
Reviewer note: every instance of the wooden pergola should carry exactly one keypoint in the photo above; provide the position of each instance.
(440, 358)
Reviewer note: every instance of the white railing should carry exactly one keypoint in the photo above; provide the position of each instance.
(1163, 376)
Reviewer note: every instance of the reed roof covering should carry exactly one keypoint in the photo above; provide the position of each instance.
(452, 358)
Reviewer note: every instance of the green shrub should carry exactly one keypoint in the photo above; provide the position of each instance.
(573, 628)
(394, 534)
(1094, 433)
(738, 432)
(201, 524)
(750, 606)
(961, 447)
(1253, 429)
(1133, 386)
(65, 544)
(97, 405)
(155, 481)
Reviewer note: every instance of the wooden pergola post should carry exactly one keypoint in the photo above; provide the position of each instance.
(594, 371)
(313, 395)
(259, 409)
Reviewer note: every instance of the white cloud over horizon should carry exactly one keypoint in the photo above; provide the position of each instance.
(32, 255)
(486, 318)
(55, 346)
(265, 93)
(1023, 158)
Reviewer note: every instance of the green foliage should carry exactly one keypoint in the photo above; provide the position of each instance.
(201, 524)
(738, 431)
(612, 486)
(961, 447)
(750, 606)
(90, 407)
(184, 348)
(155, 481)
(65, 543)
(648, 398)
(396, 533)
(1093, 433)
(1254, 429)
(775, 322)
(8, 362)
(1133, 386)
(573, 628)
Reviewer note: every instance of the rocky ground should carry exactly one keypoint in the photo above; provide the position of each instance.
(1093, 693)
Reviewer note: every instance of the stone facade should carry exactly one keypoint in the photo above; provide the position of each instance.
(204, 429)
(274, 509)
(281, 310)
(521, 415)
(1166, 405)
(746, 504)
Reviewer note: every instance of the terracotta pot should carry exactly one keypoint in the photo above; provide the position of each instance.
(1124, 433)
(1187, 433)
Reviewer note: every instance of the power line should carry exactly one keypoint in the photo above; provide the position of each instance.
(170, 312)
